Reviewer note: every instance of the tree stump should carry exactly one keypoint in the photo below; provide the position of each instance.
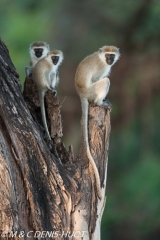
(45, 193)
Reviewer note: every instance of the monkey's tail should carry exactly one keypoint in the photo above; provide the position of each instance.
(85, 108)
(43, 113)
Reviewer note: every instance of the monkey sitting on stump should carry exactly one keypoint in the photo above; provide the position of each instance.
(37, 51)
(92, 85)
(45, 76)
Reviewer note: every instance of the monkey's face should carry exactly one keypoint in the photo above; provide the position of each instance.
(38, 52)
(109, 58)
(55, 59)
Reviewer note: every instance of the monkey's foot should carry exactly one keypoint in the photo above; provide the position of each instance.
(107, 104)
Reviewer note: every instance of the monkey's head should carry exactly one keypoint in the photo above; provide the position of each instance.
(56, 57)
(39, 49)
(109, 54)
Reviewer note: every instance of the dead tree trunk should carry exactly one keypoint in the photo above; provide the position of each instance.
(44, 192)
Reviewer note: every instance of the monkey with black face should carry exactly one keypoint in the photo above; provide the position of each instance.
(37, 51)
(92, 85)
(45, 76)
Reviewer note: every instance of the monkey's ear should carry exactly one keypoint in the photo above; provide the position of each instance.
(100, 50)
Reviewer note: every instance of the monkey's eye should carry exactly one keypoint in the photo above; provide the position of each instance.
(38, 52)
(112, 56)
(55, 59)
(107, 55)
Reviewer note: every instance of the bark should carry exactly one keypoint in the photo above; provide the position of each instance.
(44, 191)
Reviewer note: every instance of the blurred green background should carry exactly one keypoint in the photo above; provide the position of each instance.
(79, 28)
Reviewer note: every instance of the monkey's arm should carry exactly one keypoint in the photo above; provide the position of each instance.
(28, 71)
(54, 79)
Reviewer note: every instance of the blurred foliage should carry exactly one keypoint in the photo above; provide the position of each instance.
(79, 28)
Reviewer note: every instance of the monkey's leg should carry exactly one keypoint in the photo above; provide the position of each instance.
(98, 92)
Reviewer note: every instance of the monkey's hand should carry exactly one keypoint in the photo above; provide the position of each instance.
(54, 92)
(106, 103)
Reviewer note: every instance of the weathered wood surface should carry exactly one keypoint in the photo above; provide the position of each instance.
(42, 186)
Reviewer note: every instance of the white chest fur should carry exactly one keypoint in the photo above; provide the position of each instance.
(106, 72)
(101, 74)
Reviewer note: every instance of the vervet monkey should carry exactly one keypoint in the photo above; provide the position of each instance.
(37, 51)
(45, 76)
(92, 85)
